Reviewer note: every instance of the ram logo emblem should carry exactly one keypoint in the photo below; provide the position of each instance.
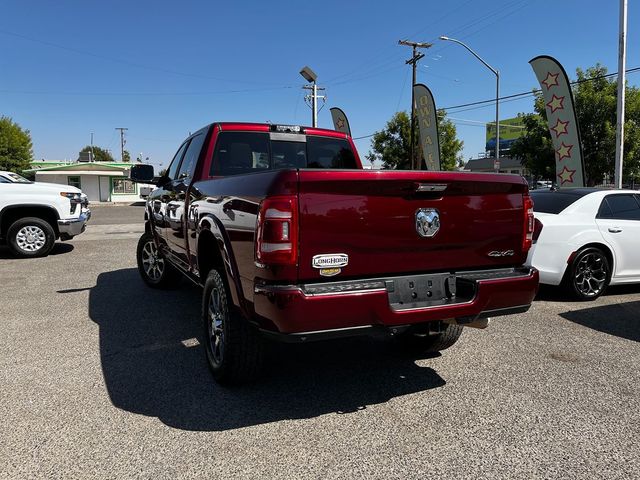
(427, 222)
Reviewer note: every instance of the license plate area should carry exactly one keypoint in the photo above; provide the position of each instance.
(423, 291)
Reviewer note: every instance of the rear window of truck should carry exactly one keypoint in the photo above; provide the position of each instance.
(248, 152)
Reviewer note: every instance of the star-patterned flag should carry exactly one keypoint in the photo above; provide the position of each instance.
(561, 117)
(428, 126)
(340, 122)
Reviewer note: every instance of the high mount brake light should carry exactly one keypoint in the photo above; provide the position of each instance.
(529, 223)
(287, 128)
(277, 232)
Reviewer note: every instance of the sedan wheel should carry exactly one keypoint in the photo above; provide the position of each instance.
(590, 274)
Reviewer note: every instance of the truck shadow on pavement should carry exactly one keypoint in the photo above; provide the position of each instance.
(619, 319)
(58, 249)
(153, 366)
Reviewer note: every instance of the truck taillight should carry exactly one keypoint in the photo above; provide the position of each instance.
(277, 231)
(529, 224)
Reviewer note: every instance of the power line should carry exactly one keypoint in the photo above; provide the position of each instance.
(375, 70)
(128, 94)
(123, 61)
(534, 91)
(515, 96)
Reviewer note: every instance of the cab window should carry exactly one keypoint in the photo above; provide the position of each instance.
(240, 152)
(175, 163)
(327, 152)
(190, 160)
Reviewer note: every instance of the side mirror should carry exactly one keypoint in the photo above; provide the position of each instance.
(141, 173)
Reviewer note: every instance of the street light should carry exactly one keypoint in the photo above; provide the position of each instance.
(497, 74)
(310, 76)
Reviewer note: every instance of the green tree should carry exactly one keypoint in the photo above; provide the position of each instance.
(99, 154)
(450, 145)
(16, 149)
(596, 99)
(127, 156)
(534, 148)
(391, 145)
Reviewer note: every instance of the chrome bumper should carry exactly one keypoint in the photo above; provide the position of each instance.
(69, 228)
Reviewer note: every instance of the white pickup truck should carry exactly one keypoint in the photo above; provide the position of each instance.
(33, 214)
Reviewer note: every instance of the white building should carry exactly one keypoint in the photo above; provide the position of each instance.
(100, 181)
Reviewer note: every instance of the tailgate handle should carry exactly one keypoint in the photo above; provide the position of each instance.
(431, 187)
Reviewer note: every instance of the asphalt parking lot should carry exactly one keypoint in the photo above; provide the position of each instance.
(103, 377)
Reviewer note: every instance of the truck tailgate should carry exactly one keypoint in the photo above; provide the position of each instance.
(371, 217)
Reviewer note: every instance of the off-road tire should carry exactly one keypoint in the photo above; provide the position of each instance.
(238, 358)
(432, 343)
(599, 274)
(31, 237)
(154, 269)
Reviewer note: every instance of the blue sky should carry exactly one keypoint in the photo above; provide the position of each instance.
(163, 69)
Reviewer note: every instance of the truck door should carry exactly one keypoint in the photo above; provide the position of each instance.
(619, 222)
(177, 190)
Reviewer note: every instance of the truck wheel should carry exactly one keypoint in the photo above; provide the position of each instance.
(31, 237)
(433, 343)
(154, 270)
(233, 346)
(588, 275)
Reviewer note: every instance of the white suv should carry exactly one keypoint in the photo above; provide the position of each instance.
(34, 215)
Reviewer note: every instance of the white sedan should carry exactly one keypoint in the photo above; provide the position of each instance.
(586, 239)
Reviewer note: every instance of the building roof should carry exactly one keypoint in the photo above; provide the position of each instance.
(487, 163)
(83, 166)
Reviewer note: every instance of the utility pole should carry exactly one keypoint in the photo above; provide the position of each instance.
(313, 98)
(122, 142)
(413, 61)
(311, 77)
(622, 60)
(92, 157)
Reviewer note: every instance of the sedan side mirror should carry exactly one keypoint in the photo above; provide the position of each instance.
(141, 173)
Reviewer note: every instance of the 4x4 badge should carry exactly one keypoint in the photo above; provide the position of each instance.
(427, 222)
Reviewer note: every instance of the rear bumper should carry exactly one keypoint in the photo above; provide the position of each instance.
(71, 227)
(354, 307)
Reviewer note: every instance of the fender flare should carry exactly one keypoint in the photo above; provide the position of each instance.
(212, 224)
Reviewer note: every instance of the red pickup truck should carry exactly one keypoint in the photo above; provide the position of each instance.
(292, 240)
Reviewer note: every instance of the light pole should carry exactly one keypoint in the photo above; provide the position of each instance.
(622, 59)
(497, 74)
(310, 76)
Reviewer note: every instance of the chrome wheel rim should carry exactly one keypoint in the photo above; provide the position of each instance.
(215, 326)
(31, 238)
(152, 262)
(591, 274)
